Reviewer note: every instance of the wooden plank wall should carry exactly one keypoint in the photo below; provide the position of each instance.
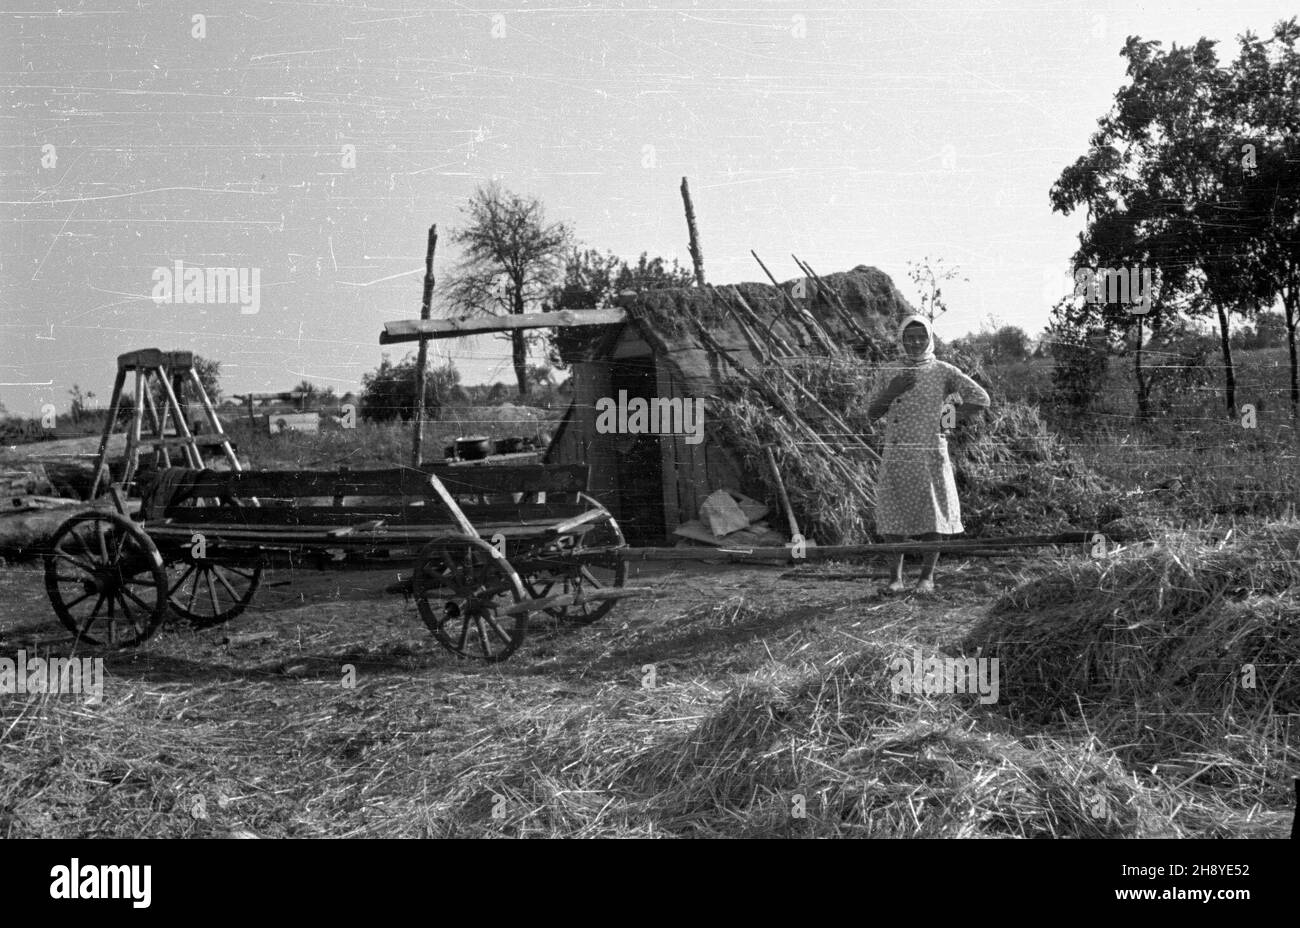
(690, 472)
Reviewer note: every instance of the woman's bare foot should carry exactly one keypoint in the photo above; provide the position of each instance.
(925, 586)
(894, 588)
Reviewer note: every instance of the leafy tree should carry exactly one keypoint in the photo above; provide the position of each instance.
(1008, 343)
(389, 391)
(81, 402)
(513, 257)
(1080, 352)
(1265, 92)
(1269, 331)
(592, 280)
(209, 372)
(1184, 358)
(1166, 186)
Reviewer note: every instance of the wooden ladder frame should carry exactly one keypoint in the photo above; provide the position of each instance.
(171, 370)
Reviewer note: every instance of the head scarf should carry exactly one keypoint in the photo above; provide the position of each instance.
(928, 354)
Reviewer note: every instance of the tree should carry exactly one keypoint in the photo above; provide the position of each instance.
(513, 258)
(81, 402)
(1166, 185)
(389, 391)
(1080, 354)
(1008, 343)
(592, 280)
(1266, 92)
(210, 376)
(1269, 331)
(310, 393)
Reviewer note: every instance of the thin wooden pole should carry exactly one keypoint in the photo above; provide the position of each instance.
(697, 256)
(772, 396)
(101, 459)
(780, 489)
(778, 345)
(214, 420)
(172, 390)
(966, 547)
(834, 299)
(133, 437)
(422, 356)
(804, 316)
(157, 425)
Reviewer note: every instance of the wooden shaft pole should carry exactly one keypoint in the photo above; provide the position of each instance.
(791, 414)
(847, 433)
(697, 256)
(808, 319)
(182, 424)
(780, 490)
(157, 426)
(836, 303)
(101, 459)
(213, 419)
(776, 345)
(422, 356)
(133, 437)
(970, 548)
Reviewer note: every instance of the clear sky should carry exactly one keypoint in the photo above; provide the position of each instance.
(848, 133)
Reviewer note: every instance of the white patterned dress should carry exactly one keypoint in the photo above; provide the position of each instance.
(915, 490)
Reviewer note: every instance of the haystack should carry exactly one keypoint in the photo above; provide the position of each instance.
(1184, 652)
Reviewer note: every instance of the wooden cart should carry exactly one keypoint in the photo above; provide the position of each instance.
(479, 548)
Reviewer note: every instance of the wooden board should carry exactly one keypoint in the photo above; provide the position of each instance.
(412, 330)
(335, 516)
(282, 535)
(412, 482)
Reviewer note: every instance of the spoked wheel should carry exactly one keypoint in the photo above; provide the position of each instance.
(579, 567)
(460, 585)
(105, 579)
(207, 593)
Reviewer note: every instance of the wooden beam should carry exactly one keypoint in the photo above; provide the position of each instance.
(966, 547)
(411, 330)
(697, 256)
(422, 361)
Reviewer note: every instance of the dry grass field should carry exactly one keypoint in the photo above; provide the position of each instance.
(739, 701)
(744, 701)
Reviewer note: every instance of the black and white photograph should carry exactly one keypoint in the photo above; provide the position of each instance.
(685, 419)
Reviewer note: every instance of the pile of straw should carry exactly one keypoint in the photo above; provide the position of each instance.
(1014, 476)
(827, 752)
(868, 762)
(1183, 652)
(827, 505)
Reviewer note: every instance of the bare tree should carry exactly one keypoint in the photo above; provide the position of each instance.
(512, 260)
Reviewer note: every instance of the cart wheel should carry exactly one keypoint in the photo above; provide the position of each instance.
(105, 579)
(207, 593)
(460, 583)
(587, 571)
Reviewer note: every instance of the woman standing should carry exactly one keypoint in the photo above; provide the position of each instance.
(916, 496)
